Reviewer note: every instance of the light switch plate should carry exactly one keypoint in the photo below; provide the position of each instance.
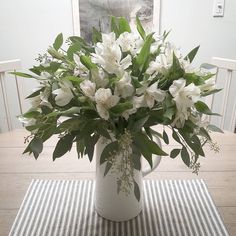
(218, 8)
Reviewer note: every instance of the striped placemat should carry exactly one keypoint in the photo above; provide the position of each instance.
(65, 207)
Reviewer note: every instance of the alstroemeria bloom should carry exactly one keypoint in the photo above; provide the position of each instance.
(164, 60)
(209, 85)
(124, 88)
(104, 101)
(41, 99)
(99, 78)
(88, 88)
(80, 69)
(44, 76)
(130, 42)
(150, 95)
(184, 97)
(108, 54)
(64, 94)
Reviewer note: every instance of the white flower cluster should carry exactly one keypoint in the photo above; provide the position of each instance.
(111, 82)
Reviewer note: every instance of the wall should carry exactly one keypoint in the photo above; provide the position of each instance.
(192, 24)
(27, 27)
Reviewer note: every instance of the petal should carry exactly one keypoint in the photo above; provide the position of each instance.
(126, 62)
(102, 112)
(177, 86)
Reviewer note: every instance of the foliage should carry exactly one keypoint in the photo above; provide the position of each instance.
(125, 83)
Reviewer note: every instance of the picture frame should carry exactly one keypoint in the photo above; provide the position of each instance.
(83, 8)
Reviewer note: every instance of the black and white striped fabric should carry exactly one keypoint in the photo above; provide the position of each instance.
(65, 207)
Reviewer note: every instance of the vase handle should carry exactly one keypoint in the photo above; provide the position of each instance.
(156, 161)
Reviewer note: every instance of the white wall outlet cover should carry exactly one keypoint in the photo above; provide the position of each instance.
(218, 8)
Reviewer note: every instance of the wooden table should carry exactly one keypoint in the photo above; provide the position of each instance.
(17, 171)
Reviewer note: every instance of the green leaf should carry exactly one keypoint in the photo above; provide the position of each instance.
(55, 54)
(137, 191)
(204, 94)
(22, 74)
(174, 153)
(109, 151)
(176, 71)
(136, 157)
(176, 136)
(96, 36)
(121, 107)
(165, 137)
(114, 27)
(197, 146)
(86, 61)
(191, 55)
(102, 131)
(71, 111)
(145, 51)
(74, 79)
(36, 146)
(140, 28)
(215, 128)
(138, 125)
(147, 147)
(31, 114)
(63, 146)
(90, 142)
(185, 156)
(148, 132)
(80, 147)
(74, 48)
(58, 41)
(123, 25)
(54, 66)
(204, 133)
(107, 168)
(203, 108)
(169, 113)
(165, 34)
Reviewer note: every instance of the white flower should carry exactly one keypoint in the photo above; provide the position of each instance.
(184, 97)
(44, 97)
(164, 60)
(88, 88)
(130, 42)
(99, 78)
(154, 94)
(105, 100)
(150, 95)
(124, 88)
(44, 76)
(64, 94)
(209, 85)
(157, 43)
(41, 99)
(187, 66)
(129, 112)
(80, 69)
(108, 54)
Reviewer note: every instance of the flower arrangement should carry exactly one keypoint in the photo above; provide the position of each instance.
(124, 84)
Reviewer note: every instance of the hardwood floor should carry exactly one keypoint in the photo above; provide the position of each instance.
(16, 173)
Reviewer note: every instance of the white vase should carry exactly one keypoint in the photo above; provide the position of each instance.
(112, 205)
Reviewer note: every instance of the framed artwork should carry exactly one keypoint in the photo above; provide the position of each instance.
(96, 13)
